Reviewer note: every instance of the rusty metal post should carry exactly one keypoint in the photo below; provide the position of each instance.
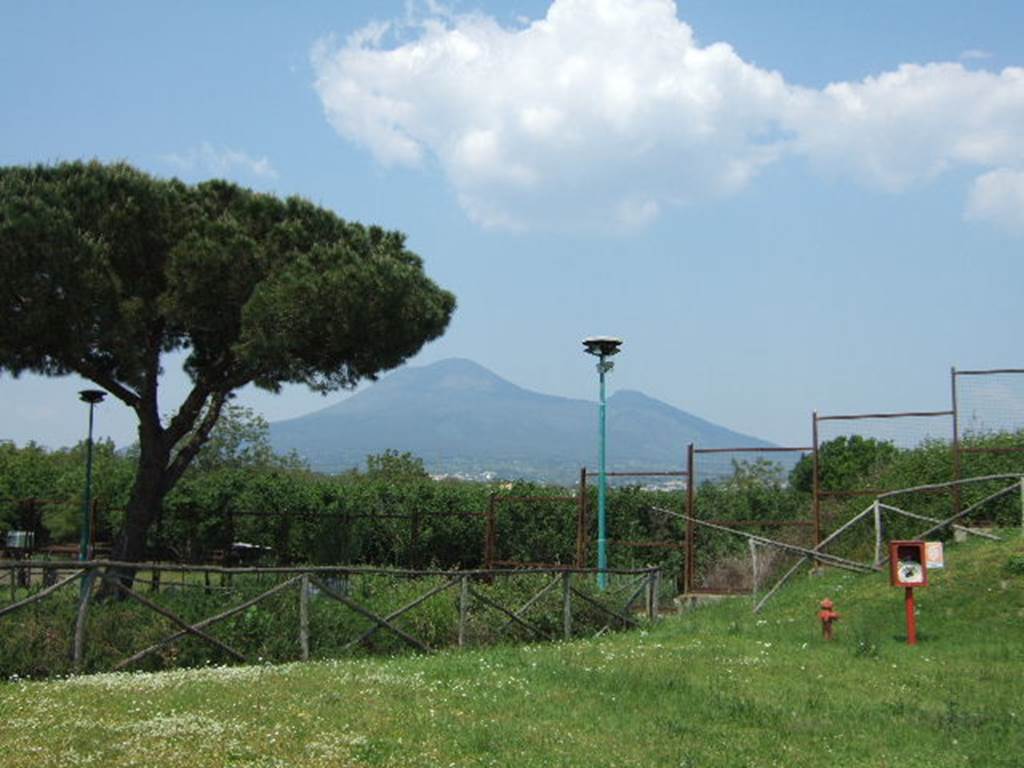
(690, 515)
(957, 470)
(815, 481)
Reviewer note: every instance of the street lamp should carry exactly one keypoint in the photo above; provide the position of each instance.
(90, 396)
(602, 347)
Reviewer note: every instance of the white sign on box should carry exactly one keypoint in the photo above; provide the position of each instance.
(933, 554)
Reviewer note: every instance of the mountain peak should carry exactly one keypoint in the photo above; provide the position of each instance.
(459, 417)
(453, 373)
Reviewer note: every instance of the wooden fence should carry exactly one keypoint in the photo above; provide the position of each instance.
(617, 606)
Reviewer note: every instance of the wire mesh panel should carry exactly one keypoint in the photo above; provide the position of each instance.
(989, 402)
(989, 420)
(989, 408)
(747, 490)
(859, 456)
(644, 516)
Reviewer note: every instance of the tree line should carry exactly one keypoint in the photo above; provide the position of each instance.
(241, 501)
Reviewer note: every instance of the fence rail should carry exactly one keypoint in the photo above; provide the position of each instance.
(471, 586)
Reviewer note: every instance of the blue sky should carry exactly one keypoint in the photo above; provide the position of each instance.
(780, 207)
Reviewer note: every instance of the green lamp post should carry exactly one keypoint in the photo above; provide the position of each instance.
(602, 347)
(92, 397)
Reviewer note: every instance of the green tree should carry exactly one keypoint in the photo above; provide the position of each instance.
(392, 465)
(241, 438)
(104, 270)
(844, 464)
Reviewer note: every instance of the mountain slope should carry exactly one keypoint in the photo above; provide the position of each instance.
(462, 418)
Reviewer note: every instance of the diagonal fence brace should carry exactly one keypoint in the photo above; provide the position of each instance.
(588, 599)
(815, 554)
(203, 624)
(190, 629)
(41, 594)
(512, 617)
(927, 519)
(405, 608)
(532, 601)
(367, 613)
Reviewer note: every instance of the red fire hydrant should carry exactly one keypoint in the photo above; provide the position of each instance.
(827, 616)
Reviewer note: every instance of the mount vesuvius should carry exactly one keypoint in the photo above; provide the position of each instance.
(463, 419)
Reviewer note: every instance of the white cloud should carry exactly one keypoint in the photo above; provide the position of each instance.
(997, 197)
(611, 112)
(224, 162)
(911, 124)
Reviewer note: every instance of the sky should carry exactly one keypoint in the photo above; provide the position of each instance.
(779, 207)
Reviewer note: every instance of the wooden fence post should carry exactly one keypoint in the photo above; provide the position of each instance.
(567, 605)
(304, 616)
(1022, 505)
(877, 512)
(463, 610)
(78, 650)
(754, 570)
(652, 595)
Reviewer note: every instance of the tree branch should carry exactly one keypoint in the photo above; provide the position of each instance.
(196, 441)
(212, 381)
(109, 383)
(187, 414)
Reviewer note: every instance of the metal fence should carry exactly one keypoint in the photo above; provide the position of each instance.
(722, 466)
(900, 430)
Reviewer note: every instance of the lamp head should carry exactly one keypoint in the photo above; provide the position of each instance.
(92, 396)
(602, 346)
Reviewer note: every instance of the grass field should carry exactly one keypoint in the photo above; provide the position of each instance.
(717, 686)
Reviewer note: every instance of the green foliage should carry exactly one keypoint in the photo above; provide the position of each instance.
(241, 439)
(394, 514)
(844, 464)
(392, 465)
(105, 269)
(42, 491)
(105, 265)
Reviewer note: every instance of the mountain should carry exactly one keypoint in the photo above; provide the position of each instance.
(461, 418)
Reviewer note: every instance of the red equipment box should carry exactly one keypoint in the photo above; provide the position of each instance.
(908, 566)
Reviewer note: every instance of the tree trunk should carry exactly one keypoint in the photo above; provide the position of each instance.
(144, 505)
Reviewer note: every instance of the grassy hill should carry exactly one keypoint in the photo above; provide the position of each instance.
(717, 686)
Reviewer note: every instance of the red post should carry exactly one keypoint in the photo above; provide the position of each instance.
(911, 618)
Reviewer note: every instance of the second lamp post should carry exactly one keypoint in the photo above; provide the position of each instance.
(92, 397)
(602, 347)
